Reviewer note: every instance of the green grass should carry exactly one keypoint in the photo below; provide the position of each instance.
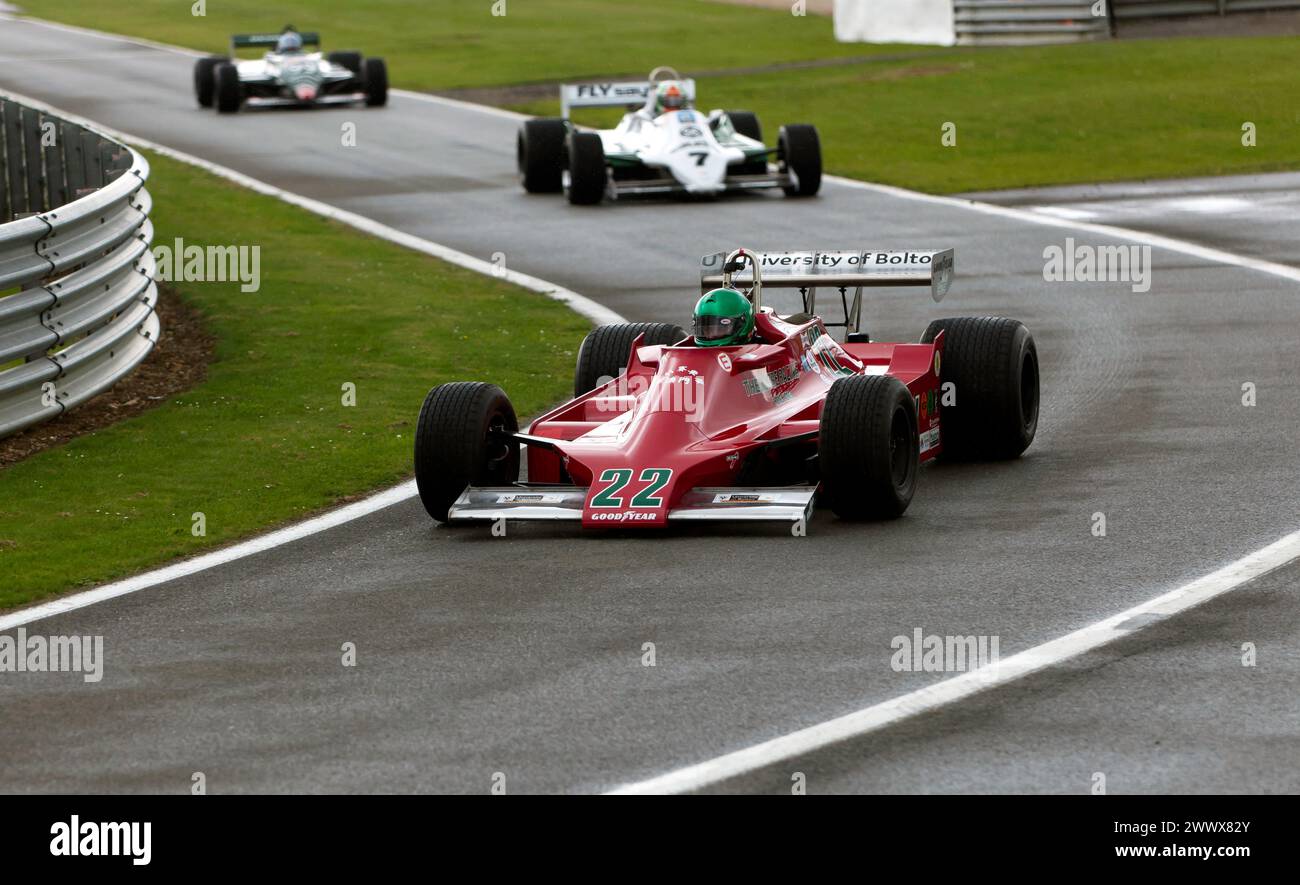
(1036, 116)
(1024, 116)
(266, 438)
(447, 44)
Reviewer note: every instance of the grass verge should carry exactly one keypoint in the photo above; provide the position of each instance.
(266, 438)
(1035, 115)
(438, 45)
(1024, 116)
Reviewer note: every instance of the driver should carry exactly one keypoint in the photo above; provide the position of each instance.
(669, 96)
(290, 42)
(723, 318)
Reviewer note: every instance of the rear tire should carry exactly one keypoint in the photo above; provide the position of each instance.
(605, 351)
(993, 364)
(799, 151)
(453, 448)
(375, 79)
(587, 175)
(868, 447)
(346, 58)
(229, 92)
(205, 88)
(539, 152)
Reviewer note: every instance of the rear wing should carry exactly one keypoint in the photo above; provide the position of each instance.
(608, 95)
(751, 272)
(250, 41)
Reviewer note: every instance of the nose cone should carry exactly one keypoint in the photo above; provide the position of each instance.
(305, 92)
(641, 463)
(703, 175)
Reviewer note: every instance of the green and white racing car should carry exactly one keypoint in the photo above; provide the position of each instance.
(288, 75)
(661, 146)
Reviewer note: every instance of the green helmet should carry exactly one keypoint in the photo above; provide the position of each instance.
(723, 318)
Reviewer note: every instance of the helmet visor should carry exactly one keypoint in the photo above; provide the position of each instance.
(715, 328)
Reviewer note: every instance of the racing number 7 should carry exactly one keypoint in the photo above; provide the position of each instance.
(617, 480)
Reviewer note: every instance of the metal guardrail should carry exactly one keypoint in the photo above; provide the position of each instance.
(1131, 9)
(1024, 22)
(77, 293)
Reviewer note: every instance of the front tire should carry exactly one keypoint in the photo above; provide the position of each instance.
(375, 78)
(799, 151)
(868, 448)
(229, 92)
(205, 88)
(539, 154)
(587, 175)
(605, 351)
(457, 443)
(992, 363)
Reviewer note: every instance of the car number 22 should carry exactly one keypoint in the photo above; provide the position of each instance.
(616, 480)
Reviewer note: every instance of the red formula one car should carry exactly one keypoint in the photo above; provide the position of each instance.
(665, 428)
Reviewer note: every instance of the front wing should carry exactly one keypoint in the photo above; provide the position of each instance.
(670, 185)
(561, 502)
(264, 89)
(664, 183)
(284, 101)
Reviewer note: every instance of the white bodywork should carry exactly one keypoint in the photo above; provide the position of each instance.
(301, 76)
(684, 150)
(680, 142)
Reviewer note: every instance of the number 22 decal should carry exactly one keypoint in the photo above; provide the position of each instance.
(617, 480)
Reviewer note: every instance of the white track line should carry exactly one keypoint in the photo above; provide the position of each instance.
(805, 740)
(462, 105)
(853, 725)
(1205, 253)
(20, 18)
(895, 710)
(1171, 244)
(581, 304)
(1032, 216)
(210, 560)
(584, 306)
(194, 53)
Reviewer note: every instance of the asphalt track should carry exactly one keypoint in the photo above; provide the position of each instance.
(1255, 215)
(523, 655)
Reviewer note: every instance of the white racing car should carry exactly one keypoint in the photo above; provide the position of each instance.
(662, 145)
(287, 75)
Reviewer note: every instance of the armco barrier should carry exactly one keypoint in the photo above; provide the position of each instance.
(1130, 9)
(1022, 22)
(77, 293)
(1015, 22)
